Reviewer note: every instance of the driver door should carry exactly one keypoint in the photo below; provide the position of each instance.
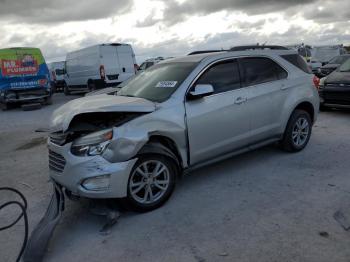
(218, 123)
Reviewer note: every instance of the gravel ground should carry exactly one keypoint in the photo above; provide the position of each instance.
(265, 205)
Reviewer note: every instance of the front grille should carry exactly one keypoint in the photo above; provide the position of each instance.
(56, 161)
(58, 138)
(113, 77)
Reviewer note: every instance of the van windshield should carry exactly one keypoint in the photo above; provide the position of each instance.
(59, 72)
(158, 82)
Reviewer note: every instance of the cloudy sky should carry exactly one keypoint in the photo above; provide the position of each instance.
(170, 27)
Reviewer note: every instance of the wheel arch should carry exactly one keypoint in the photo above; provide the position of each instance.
(160, 144)
(308, 107)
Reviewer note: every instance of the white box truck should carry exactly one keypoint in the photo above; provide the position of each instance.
(57, 72)
(99, 66)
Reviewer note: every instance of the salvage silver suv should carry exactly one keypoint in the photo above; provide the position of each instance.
(179, 115)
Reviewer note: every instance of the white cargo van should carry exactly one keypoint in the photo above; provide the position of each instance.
(325, 53)
(57, 72)
(99, 66)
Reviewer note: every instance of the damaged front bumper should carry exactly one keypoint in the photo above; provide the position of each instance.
(88, 176)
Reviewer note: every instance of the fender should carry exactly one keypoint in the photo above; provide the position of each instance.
(158, 148)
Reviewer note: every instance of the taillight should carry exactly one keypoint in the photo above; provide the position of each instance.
(136, 68)
(102, 72)
(316, 81)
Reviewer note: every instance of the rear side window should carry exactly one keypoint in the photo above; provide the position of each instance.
(258, 70)
(298, 61)
(223, 76)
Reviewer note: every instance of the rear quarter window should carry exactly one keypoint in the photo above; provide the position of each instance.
(297, 61)
(258, 70)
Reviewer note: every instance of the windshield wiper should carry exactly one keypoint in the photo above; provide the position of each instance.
(128, 95)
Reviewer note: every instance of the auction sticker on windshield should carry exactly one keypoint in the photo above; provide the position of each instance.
(166, 84)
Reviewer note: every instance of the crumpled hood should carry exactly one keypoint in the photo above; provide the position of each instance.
(62, 116)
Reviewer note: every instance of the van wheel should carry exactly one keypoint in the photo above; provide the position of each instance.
(66, 90)
(4, 106)
(298, 131)
(48, 100)
(151, 182)
(323, 108)
(91, 86)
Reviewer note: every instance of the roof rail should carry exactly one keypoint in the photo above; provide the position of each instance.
(256, 47)
(205, 52)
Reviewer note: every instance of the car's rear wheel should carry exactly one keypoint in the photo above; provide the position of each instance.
(298, 131)
(151, 182)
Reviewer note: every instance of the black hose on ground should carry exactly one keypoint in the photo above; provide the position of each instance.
(23, 207)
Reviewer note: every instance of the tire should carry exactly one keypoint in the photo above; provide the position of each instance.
(140, 182)
(48, 100)
(66, 90)
(298, 131)
(4, 106)
(91, 86)
(323, 108)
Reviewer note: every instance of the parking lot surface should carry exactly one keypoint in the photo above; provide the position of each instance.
(265, 205)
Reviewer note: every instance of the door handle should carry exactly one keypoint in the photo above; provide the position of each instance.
(239, 100)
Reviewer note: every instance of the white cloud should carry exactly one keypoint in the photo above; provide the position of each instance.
(145, 25)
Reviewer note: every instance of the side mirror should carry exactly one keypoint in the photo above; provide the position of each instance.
(201, 90)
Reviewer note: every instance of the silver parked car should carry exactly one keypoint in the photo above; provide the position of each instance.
(179, 115)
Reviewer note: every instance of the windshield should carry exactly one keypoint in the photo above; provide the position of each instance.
(338, 60)
(325, 54)
(59, 72)
(345, 67)
(158, 82)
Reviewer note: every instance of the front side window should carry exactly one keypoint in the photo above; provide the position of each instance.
(158, 82)
(223, 76)
(258, 70)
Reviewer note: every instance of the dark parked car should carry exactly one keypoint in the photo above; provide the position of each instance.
(332, 65)
(334, 89)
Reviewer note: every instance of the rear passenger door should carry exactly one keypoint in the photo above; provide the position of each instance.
(218, 123)
(265, 81)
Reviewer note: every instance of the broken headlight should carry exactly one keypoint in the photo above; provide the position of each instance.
(92, 144)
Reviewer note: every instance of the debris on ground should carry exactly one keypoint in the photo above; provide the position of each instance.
(33, 143)
(324, 234)
(342, 220)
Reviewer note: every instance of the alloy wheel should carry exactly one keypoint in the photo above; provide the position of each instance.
(300, 131)
(149, 181)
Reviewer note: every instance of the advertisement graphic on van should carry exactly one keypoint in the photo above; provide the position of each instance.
(24, 77)
(22, 68)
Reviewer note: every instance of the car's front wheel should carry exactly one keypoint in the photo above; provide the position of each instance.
(298, 131)
(151, 182)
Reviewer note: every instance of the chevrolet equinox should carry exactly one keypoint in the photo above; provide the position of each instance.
(179, 115)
